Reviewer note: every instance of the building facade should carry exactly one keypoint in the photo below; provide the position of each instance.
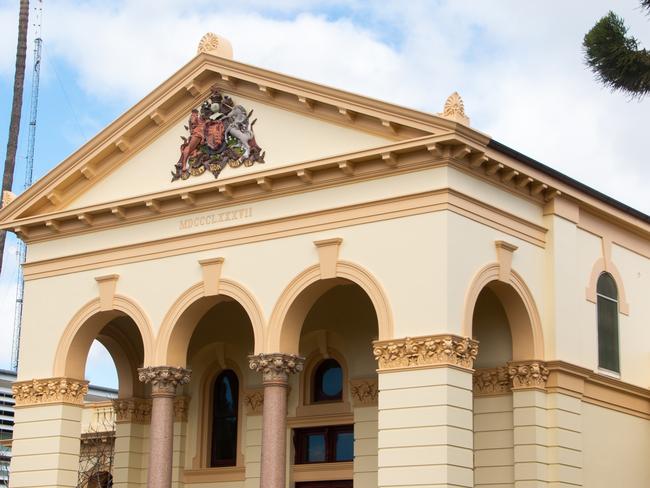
(317, 289)
(97, 422)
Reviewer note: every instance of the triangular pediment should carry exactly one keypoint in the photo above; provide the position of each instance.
(296, 122)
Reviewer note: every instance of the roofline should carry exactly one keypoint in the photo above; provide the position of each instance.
(508, 151)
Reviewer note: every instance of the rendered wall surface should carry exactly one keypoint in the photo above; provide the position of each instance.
(287, 138)
(616, 448)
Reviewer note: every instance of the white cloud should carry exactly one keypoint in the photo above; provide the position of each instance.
(518, 65)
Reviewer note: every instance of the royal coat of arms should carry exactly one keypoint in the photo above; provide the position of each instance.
(220, 134)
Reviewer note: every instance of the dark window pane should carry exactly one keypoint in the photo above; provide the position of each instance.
(344, 449)
(316, 448)
(224, 420)
(328, 381)
(608, 334)
(606, 286)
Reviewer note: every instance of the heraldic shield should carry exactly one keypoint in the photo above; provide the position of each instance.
(220, 134)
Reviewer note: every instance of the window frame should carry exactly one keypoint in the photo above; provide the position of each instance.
(231, 462)
(300, 436)
(599, 325)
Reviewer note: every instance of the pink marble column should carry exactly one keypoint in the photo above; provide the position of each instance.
(164, 381)
(275, 369)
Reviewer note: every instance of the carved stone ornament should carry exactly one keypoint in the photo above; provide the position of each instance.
(181, 405)
(49, 390)
(220, 133)
(491, 381)
(276, 367)
(426, 351)
(254, 401)
(208, 43)
(7, 198)
(364, 392)
(135, 410)
(164, 379)
(532, 374)
(454, 109)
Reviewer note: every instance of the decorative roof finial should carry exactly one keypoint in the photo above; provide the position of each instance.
(455, 109)
(215, 45)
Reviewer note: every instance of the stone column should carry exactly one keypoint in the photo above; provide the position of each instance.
(164, 380)
(425, 411)
(530, 423)
(47, 430)
(275, 369)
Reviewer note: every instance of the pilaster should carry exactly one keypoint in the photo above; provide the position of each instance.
(530, 423)
(365, 393)
(425, 411)
(132, 418)
(47, 432)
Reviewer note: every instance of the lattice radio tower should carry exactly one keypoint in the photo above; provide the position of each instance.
(29, 173)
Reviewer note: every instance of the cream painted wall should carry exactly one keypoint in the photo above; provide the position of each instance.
(486, 192)
(615, 448)
(572, 319)
(470, 247)
(287, 138)
(408, 269)
(330, 198)
(634, 333)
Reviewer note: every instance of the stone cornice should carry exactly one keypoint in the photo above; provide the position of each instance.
(49, 390)
(134, 410)
(364, 392)
(411, 155)
(413, 352)
(276, 367)
(164, 379)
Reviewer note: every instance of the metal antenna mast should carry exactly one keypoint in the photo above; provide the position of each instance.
(29, 173)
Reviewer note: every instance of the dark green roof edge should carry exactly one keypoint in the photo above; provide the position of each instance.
(508, 151)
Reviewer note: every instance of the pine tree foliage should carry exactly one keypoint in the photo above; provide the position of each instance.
(616, 59)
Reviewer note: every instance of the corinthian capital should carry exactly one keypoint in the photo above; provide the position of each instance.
(49, 390)
(276, 367)
(425, 351)
(530, 374)
(164, 379)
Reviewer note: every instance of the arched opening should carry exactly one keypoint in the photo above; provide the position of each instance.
(217, 336)
(94, 341)
(504, 328)
(333, 323)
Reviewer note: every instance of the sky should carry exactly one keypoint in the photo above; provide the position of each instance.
(517, 64)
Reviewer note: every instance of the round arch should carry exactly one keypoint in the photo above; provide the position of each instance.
(179, 322)
(520, 308)
(90, 323)
(605, 266)
(303, 291)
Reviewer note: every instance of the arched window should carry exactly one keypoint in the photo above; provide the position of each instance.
(225, 404)
(607, 306)
(328, 382)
